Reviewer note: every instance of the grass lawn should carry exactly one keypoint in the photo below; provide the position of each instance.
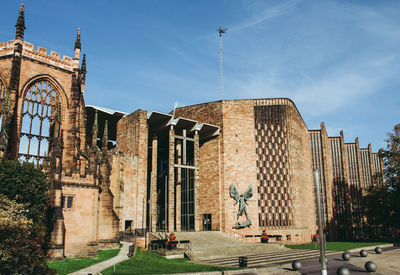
(75, 264)
(336, 246)
(148, 262)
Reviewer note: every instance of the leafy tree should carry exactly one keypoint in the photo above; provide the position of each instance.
(24, 222)
(382, 202)
(391, 161)
(25, 184)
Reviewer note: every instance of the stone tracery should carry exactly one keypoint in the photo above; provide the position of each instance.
(41, 105)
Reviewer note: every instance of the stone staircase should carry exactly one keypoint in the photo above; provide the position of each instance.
(217, 248)
(270, 258)
(207, 245)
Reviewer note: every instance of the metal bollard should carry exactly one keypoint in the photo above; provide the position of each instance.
(242, 261)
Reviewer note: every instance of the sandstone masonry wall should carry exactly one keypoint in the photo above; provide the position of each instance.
(131, 173)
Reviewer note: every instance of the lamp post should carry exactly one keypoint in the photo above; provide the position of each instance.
(320, 229)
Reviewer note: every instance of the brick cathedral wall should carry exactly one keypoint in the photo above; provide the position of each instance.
(286, 202)
(237, 158)
(327, 162)
(210, 193)
(210, 161)
(301, 174)
(240, 161)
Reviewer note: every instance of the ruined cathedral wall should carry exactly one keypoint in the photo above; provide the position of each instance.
(129, 170)
(124, 182)
(5, 69)
(210, 163)
(108, 222)
(80, 221)
(32, 69)
(80, 218)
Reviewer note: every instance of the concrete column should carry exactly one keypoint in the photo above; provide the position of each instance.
(178, 187)
(197, 217)
(171, 180)
(153, 187)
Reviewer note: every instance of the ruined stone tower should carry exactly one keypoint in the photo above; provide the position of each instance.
(43, 121)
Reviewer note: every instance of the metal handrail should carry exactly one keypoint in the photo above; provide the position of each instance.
(188, 251)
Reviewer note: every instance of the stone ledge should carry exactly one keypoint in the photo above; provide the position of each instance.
(369, 247)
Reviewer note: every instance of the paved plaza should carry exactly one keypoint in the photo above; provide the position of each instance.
(216, 248)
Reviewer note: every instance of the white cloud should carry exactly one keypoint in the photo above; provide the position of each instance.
(265, 13)
(335, 91)
(319, 94)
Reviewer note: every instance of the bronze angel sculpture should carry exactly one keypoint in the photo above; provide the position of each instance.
(242, 200)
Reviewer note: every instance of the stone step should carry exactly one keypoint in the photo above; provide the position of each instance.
(269, 258)
(207, 245)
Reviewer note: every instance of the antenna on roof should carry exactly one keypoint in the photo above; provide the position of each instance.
(221, 63)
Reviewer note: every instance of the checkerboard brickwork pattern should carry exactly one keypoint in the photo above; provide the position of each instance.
(274, 202)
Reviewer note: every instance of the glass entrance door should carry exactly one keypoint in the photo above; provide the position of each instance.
(207, 222)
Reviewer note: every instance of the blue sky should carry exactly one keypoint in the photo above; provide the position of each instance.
(338, 60)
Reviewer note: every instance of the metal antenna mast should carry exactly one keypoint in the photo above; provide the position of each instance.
(221, 62)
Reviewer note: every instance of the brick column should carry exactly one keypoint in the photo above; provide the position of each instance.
(361, 218)
(359, 162)
(153, 187)
(328, 173)
(171, 180)
(371, 163)
(178, 187)
(197, 218)
(347, 183)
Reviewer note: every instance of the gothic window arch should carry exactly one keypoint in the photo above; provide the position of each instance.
(41, 109)
(2, 101)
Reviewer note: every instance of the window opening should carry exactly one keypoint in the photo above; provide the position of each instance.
(162, 185)
(40, 106)
(128, 225)
(187, 199)
(67, 201)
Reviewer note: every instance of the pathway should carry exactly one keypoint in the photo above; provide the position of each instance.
(93, 269)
